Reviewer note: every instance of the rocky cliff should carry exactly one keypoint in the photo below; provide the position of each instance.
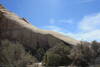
(18, 29)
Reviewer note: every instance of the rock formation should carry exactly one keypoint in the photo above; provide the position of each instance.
(15, 28)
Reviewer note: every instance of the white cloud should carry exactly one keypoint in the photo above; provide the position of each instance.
(56, 29)
(90, 23)
(89, 28)
(87, 36)
(60, 21)
(93, 35)
(53, 28)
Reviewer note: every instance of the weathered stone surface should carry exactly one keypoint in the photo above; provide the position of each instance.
(15, 28)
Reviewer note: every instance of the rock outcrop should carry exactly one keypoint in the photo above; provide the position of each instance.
(15, 28)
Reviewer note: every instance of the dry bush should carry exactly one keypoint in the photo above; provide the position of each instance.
(85, 54)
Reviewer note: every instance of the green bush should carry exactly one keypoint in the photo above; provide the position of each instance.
(14, 55)
(52, 59)
(40, 54)
(57, 56)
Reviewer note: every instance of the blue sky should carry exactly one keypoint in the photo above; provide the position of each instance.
(79, 19)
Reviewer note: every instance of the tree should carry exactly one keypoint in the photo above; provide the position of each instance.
(40, 53)
(96, 48)
(57, 56)
(81, 55)
(52, 59)
(85, 54)
(14, 55)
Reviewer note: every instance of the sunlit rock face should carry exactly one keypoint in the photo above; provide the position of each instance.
(18, 29)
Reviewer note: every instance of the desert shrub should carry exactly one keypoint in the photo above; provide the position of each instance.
(57, 56)
(52, 59)
(14, 55)
(83, 54)
(96, 47)
(40, 53)
(96, 55)
(61, 49)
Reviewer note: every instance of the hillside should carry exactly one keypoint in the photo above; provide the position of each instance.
(13, 27)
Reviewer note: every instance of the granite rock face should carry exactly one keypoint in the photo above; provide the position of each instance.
(18, 29)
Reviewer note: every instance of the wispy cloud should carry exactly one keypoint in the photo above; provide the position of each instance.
(86, 36)
(89, 28)
(90, 23)
(60, 21)
(54, 28)
(89, 36)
